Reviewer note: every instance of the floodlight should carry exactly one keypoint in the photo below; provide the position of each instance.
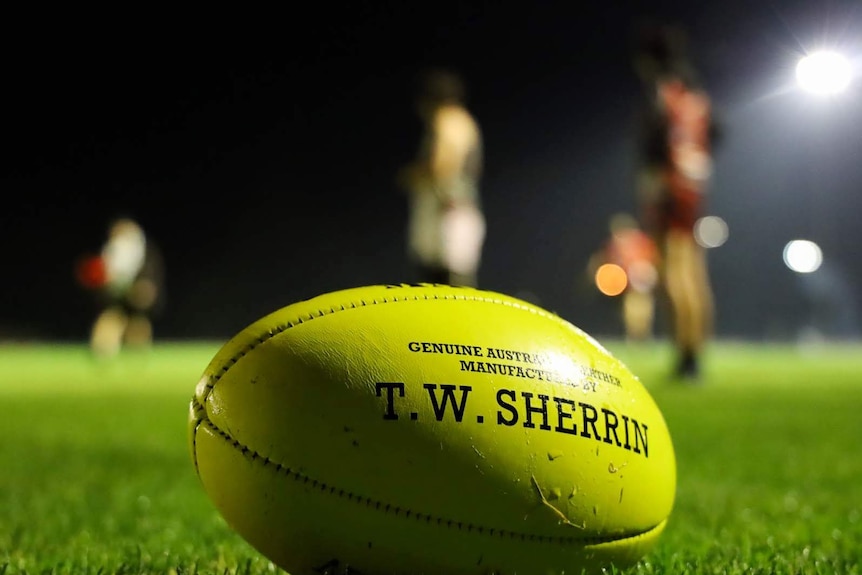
(802, 256)
(823, 72)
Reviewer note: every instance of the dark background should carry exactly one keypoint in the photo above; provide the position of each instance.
(259, 150)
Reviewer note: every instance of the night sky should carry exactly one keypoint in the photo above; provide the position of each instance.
(259, 151)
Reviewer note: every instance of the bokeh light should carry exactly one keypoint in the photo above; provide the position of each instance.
(711, 231)
(803, 256)
(611, 279)
(823, 72)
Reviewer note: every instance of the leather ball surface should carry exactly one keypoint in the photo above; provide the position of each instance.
(430, 429)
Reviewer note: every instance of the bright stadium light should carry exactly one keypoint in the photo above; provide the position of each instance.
(803, 256)
(824, 72)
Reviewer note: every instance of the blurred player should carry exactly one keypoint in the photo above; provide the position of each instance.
(127, 277)
(636, 254)
(678, 138)
(446, 227)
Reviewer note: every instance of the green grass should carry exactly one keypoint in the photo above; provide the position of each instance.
(95, 476)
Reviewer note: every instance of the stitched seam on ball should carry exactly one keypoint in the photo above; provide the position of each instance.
(200, 409)
(273, 332)
(353, 305)
(384, 507)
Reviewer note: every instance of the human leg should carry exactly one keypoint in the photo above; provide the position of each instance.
(106, 336)
(688, 289)
(638, 312)
(139, 331)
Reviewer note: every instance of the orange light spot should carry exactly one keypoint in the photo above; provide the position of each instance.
(611, 279)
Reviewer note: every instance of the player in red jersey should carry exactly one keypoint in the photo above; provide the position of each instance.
(678, 138)
(636, 254)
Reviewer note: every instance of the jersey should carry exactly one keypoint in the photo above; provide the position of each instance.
(635, 252)
(447, 227)
(681, 153)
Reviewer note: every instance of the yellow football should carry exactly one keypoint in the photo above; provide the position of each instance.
(430, 429)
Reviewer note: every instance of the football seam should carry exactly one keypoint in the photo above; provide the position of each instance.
(383, 507)
(354, 304)
(199, 407)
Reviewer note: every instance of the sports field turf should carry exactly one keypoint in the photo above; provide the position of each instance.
(96, 478)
